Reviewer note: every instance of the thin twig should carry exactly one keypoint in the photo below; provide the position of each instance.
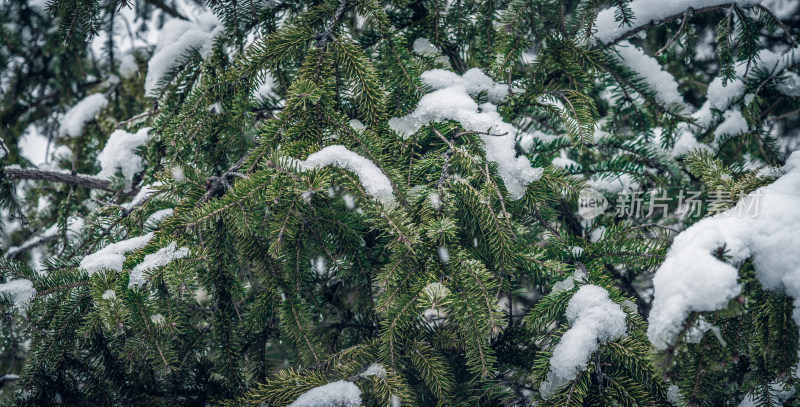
(686, 16)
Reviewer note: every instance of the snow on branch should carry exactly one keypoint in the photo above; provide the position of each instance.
(656, 78)
(175, 39)
(113, 256)
(20, 291)
(451, 100)
(649, 12)
(721, 96)
(155, 260)
(63, 177)
(593, 318)
(765, 227)
(337, 394)
(118, 154)
(73, 121)
(375, 182)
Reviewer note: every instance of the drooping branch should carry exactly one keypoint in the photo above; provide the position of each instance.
(780, 24)
(665, 20)
(36, 174)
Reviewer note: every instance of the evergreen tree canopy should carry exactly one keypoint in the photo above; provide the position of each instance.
(400, 203)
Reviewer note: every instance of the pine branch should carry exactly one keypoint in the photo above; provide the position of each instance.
(86, 181)
(665, 20)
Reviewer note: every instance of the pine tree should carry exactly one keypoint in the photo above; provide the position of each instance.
(353, 202)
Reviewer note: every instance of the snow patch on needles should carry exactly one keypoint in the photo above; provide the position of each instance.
(175, 39)
(593, 318)
(733, 123)
(118, 154)
(20, 291)
(659, 80)
(157, 217)
(71, 125)
(692, 278)
(423, 46)
(451, 100)
(143, 194)
(474, 82)
(372, 178)
(155, 260)
(609, 29)
(375, 369)
(721, 96)
(112, 256)
(337, 394)
(128, 66)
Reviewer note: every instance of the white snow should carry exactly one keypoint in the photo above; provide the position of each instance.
(608, 29)
(451, 100)
(119, 155)
(473, 81)
(33, 145)
(357, 125)
(764, 227)
(790, 84)
(733, 123)
(704, 49)
(375, 369)
(696, 333)
(569, 282)
(265, 89)
(721, 96)
(19, 291)
(319, 265)
(423, 46)
(776, 389)
(783, 9)
(444, 254)
(155, 260)
(112, 256)
(593, 318)
(372, 178)
(157, 217)
(562, 161)
(656, 78)
(157, 319)
(435, 200)
(71, 124)
(526, 140)
(674, 395)
(128, 66)
(613, 185)
(337, 394)
(349, 201)
(177, 173)
(109, 295)
(686, 142)
(142, 195)
(177, 37)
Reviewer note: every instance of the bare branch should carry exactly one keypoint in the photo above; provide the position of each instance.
(80, 180)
